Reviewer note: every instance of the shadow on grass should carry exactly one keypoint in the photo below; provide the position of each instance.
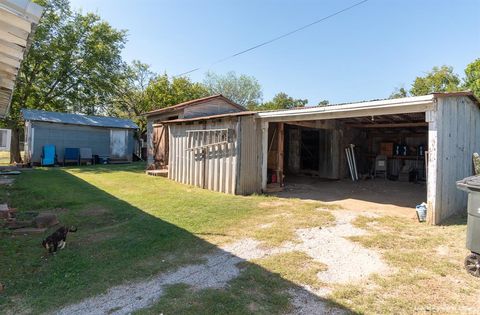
(380, 191)
(117, 244)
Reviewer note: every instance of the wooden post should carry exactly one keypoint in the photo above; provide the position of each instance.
(280, 151)
(264, 155)
(432, 178)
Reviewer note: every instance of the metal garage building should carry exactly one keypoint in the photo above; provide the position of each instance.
(106, 136)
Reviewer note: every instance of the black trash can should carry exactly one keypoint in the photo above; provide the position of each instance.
(472, 186)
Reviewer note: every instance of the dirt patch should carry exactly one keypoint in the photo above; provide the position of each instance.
(305, 303)
(266, 225)
(442, 250)
(6, 180)
(331, 247)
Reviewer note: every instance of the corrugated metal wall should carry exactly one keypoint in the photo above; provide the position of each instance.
(206, 155)
(71, 136)
(193, 160)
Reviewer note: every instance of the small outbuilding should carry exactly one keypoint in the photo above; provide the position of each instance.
(106, 136)
(157, 131)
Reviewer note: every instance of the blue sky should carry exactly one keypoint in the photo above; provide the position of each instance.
(359, 55)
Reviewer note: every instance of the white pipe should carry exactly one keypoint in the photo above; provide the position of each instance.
(352, 146)
(347, 153)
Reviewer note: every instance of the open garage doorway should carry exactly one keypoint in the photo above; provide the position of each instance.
(315, 166)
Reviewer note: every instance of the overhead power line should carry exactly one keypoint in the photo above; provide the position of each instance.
(278, 37)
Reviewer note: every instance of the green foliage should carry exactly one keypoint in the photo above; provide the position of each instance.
(399, 93)
(440, 79)
(282, 101)
(131, 97)
(140, 90)
(72, 65)
(164, 92)
(323, 103)
(244, 90)
(472, 77)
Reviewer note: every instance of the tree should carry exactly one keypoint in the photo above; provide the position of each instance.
(472, 77)
(163, 91)
(244, 90)
(438, 80)
(131, 98)
(399, 93)
(72, 65)
(282, 101)
(323, 103)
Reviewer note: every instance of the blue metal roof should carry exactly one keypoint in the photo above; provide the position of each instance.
(76, 119)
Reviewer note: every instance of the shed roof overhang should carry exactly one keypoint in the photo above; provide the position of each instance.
(415, 104)
(18, 19)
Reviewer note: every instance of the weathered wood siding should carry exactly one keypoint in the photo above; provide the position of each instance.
(231, 167)
(212, 107)
(209, 108)
(454, 135)
(249, 179)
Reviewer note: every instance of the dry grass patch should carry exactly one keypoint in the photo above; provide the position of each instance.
(294, 266)
(425, 280)
(280, 219)
(275, 221)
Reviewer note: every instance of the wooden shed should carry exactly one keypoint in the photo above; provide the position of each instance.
(219, 152)
(157, 132)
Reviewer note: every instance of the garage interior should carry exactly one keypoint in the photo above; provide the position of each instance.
(307, 159)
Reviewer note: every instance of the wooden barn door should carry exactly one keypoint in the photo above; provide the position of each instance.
(160, 145)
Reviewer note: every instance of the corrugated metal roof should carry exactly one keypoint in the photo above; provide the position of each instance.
(468, 94)
(193, 102)
(76, 119)
(219, 116)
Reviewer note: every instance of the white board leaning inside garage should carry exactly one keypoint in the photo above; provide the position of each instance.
(106, 136)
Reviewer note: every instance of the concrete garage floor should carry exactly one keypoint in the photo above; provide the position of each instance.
(374, 195)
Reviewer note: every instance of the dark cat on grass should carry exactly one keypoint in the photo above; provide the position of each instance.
(57, 239)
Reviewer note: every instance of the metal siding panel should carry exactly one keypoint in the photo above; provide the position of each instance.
(170, 141)
(69, 136)
(217, 169)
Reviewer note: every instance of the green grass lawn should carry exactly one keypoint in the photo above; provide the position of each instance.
(132, 226)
